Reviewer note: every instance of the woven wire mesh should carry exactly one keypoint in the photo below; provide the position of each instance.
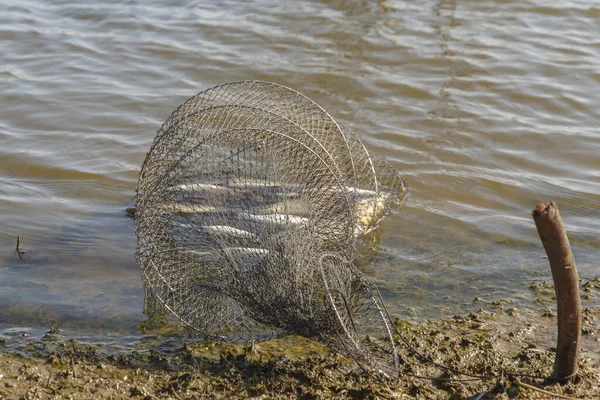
(251, 206)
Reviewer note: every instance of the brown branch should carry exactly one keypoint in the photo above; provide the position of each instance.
(566, 285)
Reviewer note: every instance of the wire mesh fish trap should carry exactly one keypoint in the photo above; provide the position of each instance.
(251, 205)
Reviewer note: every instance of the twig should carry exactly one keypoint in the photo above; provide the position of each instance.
(19, 251)
(537, 389)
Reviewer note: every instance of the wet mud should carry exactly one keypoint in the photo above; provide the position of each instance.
(503, 354)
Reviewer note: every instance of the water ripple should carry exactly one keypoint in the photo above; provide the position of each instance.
(486, 108)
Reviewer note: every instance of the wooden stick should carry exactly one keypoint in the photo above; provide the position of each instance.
(566, 285)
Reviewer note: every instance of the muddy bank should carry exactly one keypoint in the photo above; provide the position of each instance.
(171, 365)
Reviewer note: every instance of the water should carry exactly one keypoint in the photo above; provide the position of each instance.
(487, 107)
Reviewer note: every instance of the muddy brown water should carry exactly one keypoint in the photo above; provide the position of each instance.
(486, 107)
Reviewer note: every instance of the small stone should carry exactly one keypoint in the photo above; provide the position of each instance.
(547, 313)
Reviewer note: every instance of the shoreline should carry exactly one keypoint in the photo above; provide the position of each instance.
(169, 365)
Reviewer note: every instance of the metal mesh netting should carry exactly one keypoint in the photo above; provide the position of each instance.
(251, 205)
